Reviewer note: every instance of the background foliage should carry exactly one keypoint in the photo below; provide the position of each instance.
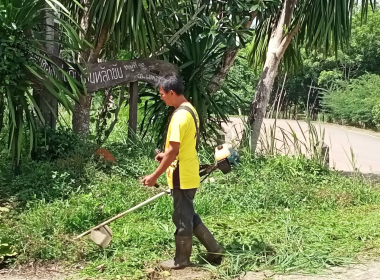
(355, 102)
(22, 49)
(305, 87)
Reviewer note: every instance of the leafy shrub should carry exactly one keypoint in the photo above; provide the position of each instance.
(62, 165)
(14, 49)
(6, 250)
(61, 143)
(355, 103)
(47, 180)
(21, 54)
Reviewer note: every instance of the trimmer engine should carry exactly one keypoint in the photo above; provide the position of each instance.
(226, 157)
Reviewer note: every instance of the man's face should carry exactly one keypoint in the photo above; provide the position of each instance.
(167, 97)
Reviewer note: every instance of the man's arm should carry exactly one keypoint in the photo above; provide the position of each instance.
(169, 157)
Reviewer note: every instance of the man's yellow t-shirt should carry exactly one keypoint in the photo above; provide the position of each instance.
(184, 171)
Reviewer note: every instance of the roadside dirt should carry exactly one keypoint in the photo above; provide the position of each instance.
(38, 271)
(367, 271)
(192, 273)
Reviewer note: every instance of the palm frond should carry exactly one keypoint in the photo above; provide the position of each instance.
(30, 66)
(324, 25)
(197, 51)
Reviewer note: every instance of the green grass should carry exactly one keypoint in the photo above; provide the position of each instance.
(287, 214)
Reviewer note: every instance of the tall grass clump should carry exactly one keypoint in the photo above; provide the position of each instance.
(303, 140)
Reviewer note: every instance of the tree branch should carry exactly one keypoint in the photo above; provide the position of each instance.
(112, 125)
(102, 39)
(226, 62)
(285, 18)
(286, 40)
(289, 12)
(249, 23)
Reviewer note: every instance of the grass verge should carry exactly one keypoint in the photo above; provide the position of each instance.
(287, 214)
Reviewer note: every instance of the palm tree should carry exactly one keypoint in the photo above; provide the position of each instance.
(27, 66)
(110, 26)
(317, 25)
(195, 40)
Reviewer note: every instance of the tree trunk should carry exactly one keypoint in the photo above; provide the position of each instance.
(287, 110)
(112, 125)
(226, 63)
(275, 101)
(133, 102)
(81, 114)
(222, 70)
(2, 107)
(46, 101)
(54, 102)
(263, 90)
(277, 45)
(82, 108)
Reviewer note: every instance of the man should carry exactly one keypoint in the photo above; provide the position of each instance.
(180, 161)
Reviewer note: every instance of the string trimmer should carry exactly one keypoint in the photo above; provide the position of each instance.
(225, 158)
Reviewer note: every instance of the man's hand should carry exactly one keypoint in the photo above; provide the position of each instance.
(149, 180)
(165, 160)
(159, 157)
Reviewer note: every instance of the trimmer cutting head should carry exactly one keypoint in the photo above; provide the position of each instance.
(102, 236)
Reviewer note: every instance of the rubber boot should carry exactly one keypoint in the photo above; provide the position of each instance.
(183, 246)
(214, 250)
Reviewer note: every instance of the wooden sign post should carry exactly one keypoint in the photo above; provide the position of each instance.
(133, 102)
(112, 73)
(118, 72)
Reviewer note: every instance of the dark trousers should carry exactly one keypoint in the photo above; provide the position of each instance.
(184, 216)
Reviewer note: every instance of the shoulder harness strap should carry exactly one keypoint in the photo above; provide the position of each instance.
(195, 121)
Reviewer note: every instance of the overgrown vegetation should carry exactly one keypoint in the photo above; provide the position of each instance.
(280, 212)
(276, 212)
(25, 66)
(241, 80)
(355, 103)
(305, 87)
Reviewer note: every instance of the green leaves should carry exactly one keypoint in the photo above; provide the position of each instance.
(26, 65)
(361, 56)
(323, 26)
(365, 6)
(355, 103)
(5, 248)
(128, 24)
(197, 49)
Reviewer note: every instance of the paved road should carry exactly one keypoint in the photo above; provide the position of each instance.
(340, 139)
